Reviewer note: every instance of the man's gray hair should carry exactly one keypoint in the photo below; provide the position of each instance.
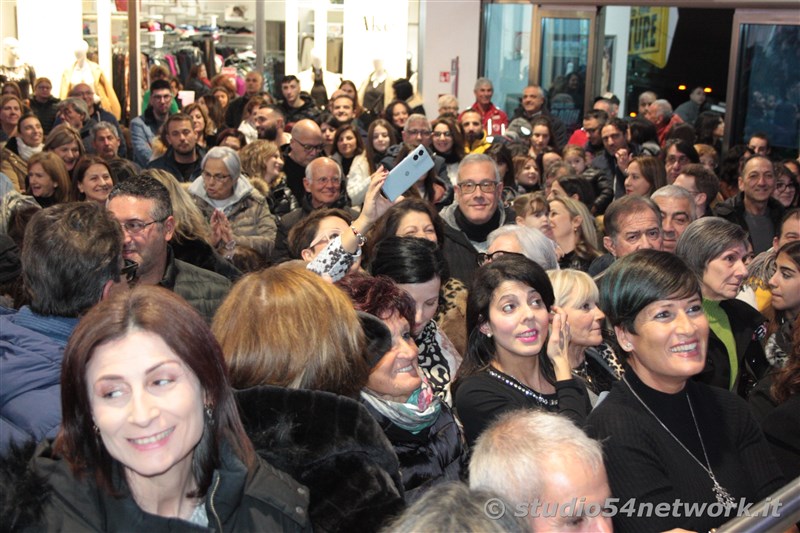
(416, 117)
(473, 159)
(77, 104)
(454, 507)
(480, 82)
(664, 107)
(516, 453)
(100, 126)
(535, 245)
(674, 191)
(627, 205)
(310, 167)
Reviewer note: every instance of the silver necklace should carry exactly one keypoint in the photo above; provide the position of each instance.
(527, 391)
(723, 497)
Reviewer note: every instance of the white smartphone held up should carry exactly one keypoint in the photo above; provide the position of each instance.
(407, 172)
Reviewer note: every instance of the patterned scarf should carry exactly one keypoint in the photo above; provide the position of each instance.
(419, 412)
(432, 361)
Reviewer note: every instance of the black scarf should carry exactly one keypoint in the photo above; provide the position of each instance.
(477, 232)
(450, 157)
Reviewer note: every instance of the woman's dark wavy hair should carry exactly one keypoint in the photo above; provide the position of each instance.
(457, 151)
(378, 295)
(704, 127)
(387, 225)
(641, 278)
(481, 348)
(409, 260)
(787, 381)
(161, 312)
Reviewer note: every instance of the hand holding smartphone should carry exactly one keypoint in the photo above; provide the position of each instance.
(407, 172)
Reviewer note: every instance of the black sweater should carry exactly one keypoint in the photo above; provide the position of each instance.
(484, 396)
(646, 464)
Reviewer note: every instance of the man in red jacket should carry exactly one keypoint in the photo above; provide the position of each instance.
(494, 120)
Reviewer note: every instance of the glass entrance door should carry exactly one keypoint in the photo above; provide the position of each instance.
(564, 52)
(764, 84)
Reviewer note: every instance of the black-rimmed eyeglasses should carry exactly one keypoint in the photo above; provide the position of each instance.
(484, 258)
(468, 187)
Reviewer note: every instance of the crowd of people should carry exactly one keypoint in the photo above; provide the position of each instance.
(212, 318)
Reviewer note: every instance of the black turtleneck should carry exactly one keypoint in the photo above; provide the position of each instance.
(477, 232)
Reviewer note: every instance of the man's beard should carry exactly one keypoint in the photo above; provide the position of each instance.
(269, 133)
(473, 136)
(184, 152)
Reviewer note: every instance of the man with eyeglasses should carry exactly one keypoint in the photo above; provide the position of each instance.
(532, 105)
(631, 223)
(589, 135)
(142, 206)
(477, 212)
(417, 131)
(305, 146)
(71, 260)
(678, 154)
(144, 128)
(86, 93)
(73, 111)
(323, 186)
(754, 208)
(184, 155)
(702, 184)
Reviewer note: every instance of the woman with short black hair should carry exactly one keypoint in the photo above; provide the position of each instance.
(668, 438)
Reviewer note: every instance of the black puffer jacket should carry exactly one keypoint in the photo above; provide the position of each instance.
(332, 445)
(41, 494)
(434, 455)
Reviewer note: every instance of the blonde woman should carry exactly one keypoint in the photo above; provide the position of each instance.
(299, 373)
(574, 232)
(590, 357)
(262, 163)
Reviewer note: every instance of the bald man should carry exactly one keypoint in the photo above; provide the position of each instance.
(305, 146)
(532, 104)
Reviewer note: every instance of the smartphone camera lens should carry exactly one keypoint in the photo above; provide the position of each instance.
(416, 157)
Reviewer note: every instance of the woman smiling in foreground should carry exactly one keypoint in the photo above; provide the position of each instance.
(667, 437)
(151, 439)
